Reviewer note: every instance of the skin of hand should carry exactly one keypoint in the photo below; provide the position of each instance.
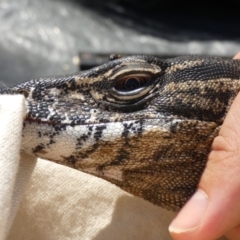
(214, 209)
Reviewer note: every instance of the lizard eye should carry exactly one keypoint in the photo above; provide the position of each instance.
(132, 82)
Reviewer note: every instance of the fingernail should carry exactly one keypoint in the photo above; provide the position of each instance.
(191, 214)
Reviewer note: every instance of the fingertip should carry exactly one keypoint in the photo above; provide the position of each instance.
(190, 216)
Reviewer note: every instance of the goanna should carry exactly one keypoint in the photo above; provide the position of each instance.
(142, 123)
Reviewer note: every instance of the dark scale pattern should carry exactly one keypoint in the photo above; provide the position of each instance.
(151, 141)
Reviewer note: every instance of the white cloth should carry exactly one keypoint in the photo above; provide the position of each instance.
(13, 176)
(43, 200)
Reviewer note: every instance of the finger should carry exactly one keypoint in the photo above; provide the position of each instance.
(214, 209)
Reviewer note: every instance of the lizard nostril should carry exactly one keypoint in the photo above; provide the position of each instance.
(24, 92)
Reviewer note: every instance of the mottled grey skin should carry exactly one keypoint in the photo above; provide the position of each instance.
(142, 123)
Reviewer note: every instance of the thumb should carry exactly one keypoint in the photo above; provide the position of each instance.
(215, 207)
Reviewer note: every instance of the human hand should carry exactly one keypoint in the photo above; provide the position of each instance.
(214, 210)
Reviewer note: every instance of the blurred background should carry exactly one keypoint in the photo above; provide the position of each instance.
(53, 37)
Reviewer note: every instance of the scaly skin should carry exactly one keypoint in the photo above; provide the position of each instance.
(142, 123)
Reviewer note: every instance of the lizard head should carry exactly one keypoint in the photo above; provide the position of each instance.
(142, 123)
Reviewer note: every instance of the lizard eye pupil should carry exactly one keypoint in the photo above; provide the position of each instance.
(131, 83)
